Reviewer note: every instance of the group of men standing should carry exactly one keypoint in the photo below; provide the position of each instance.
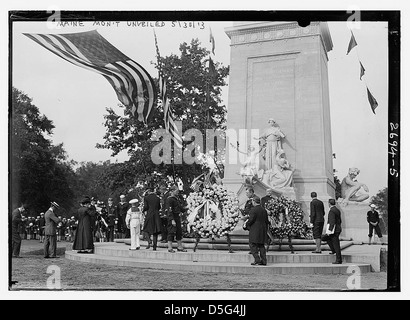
(50, 230)
(257, 223)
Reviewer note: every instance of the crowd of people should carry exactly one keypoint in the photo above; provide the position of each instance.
(158, 213)
(32, 228)
(155, 215)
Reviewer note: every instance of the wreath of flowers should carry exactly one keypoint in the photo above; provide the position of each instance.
(221, 217)
(287, 218)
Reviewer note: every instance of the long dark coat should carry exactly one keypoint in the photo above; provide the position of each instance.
(84, 235)
(152, 222)
(15, 225)
(258, 225)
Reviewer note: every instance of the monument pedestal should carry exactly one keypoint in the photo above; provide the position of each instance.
(354, 221)
(279, 70)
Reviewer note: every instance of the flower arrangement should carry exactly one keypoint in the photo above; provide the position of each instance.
(213, 211)
(287, 219)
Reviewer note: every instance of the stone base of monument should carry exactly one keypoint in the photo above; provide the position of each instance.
(354, 221)
(213, 256)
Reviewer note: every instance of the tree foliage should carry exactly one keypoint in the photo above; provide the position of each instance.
(39, 171)
(380, 200)
(194, 89)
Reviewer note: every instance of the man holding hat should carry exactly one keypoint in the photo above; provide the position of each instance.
(374, 220)
(51, 221)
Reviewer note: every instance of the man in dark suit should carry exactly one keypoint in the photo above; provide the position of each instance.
(152, 221)
(111, 213)
(257, 225)
(16, 220)
(163, 213)
(122, 208)
(333, 230)
(174, 207)
(317, 220)
(50, 242)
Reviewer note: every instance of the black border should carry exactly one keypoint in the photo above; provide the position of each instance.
(393, 17)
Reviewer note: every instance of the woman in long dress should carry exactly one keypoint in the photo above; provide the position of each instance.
(84, 241)
(272, 139)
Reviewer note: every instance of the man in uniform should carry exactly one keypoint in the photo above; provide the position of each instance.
(50, 230)
(374, 224)
(16, 220)
(122, 208)
(174, 208)
(110, 220)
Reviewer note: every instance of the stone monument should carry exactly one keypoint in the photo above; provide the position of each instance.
(279, 70)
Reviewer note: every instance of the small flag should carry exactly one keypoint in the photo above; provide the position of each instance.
(169, 116)
(372, 101)
(212, 40)
(362, 70)
(352, 43)
(132, 83)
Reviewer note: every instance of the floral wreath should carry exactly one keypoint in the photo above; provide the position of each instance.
(287, 219)
(213, 211)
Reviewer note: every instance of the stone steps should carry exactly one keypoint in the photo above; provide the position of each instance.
(118, 254)
(243, 244)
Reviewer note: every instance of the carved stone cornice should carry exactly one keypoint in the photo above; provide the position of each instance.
(251, 32)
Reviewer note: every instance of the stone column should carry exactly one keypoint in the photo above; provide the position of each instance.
(279, 70)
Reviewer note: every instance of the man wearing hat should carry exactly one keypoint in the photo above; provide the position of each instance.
(257, 225)
(122, 209)
(374, 224)
(50, 229)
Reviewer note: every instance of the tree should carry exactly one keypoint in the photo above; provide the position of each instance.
(39, 171)
(380, 200)
(338, 189)
(194, 91)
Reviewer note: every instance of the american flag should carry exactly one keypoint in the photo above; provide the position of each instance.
(169, 116)
(132, 83)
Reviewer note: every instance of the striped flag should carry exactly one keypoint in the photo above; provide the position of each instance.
(169, 116)
(372, 101)
(352, 43)
(212, 40)
(133, 85)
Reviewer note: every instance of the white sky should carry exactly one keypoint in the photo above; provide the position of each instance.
(75, 99)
